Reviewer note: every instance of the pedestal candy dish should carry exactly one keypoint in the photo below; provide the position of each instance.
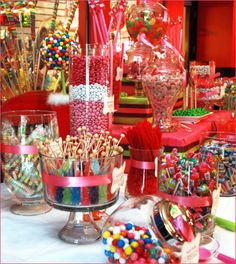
(77, 179)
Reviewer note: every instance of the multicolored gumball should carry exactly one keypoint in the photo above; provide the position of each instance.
(55, 50)
(129, 243)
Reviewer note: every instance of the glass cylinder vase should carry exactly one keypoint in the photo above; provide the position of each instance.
(143, 173)
(163, 81)
(21, 134)
(91, 100)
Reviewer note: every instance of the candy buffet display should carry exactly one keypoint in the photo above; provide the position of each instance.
(91, 100)
(145, 230)
(79, 174)
(21, 133)
(222, 146)
(145, 148)
(194, 176)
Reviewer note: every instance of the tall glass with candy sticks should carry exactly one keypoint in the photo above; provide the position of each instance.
(21, 134)
(82, 174)
(91, 100)
(145, 149)
(191, 180)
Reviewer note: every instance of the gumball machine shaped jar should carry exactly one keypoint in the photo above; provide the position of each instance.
(148, 17)
(163, 81)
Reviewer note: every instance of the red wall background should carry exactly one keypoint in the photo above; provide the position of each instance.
(216, 32)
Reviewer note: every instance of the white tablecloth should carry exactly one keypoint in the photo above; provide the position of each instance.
(33, 239)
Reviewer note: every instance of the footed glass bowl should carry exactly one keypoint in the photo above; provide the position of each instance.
(81, 185)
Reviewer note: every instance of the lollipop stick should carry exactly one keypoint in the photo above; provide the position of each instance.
(63, 82)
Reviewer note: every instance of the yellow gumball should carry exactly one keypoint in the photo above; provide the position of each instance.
(152, 21)
(128, 251)
(106, 234)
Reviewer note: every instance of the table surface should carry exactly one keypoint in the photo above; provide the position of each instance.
(33, 239)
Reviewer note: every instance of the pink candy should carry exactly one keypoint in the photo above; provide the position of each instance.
(89, 118)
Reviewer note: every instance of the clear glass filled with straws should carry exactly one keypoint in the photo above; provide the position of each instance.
(77, 180)
(21, 134)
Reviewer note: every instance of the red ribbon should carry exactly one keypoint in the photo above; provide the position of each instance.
(144, 165)
(189, 201)
(68, 181)
(19, 149)
(135, 110)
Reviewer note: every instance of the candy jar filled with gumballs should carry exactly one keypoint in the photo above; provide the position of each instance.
(147, 229)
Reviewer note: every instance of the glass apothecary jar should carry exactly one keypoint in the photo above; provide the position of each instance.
(22, 132)
(163, 82)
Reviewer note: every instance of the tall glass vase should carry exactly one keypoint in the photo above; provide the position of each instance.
(91, 101)
(163, 82)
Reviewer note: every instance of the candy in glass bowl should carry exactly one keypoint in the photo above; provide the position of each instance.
(191, 181)
(148, 17)
(82, 174)
(22, 132)
(163, 81)
(222, 146)
(147, 229)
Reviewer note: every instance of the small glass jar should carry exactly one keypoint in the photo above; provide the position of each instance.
(91, 101)
(148, 17)
(22, 132)
(139, 56)
(142, 177)
(147, 229)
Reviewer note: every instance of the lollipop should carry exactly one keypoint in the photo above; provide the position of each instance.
(55, 50)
